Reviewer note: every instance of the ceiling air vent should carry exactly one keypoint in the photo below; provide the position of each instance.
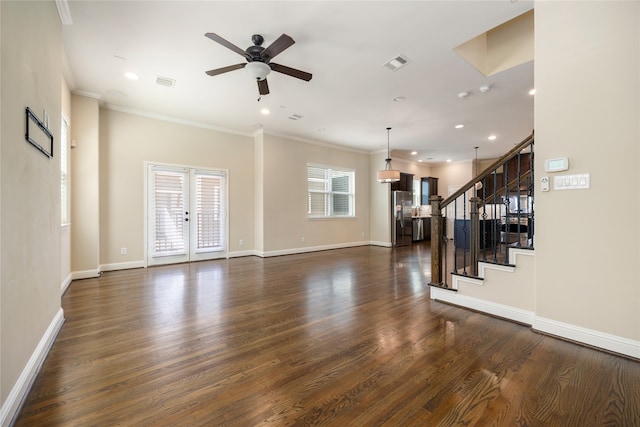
(295, 117)
(165, 81)
(394, 64)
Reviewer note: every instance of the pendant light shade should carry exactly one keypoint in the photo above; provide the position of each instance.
(388, 174)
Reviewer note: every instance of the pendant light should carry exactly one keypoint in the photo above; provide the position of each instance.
(388, 175)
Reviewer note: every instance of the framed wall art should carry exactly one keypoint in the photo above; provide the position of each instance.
(37, 134)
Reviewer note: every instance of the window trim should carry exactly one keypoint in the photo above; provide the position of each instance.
(329, 203)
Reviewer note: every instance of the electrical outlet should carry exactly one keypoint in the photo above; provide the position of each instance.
(302, 239)
(241, 242)
(123, 251)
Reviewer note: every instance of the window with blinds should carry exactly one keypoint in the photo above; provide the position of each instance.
(210, 211)
(331, 192)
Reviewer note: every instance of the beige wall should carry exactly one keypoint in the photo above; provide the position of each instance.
(587, 108)
(29, 188)
(380, 204)
(258, 154)
(452, 175)
(285, 196)
(85, 187)
(127, 141)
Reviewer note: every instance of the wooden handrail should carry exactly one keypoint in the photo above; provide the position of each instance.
(488, 171)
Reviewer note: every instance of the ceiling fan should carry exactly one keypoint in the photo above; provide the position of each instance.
(258, 58)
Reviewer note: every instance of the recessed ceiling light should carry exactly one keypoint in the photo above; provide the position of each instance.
(132, 76)
(413, 153)
(448, 160)
(459, 126)
(265, 111)
(492, 137)
(532, 92)
(420, 161)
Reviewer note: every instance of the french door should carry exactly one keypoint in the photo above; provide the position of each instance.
(186, 214)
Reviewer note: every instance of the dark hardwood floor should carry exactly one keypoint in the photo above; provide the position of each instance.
(345, 337)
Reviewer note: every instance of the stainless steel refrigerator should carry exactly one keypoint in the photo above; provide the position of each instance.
(401, 223)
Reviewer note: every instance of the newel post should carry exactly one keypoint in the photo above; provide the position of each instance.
(436, 240)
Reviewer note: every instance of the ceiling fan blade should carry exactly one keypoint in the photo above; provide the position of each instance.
(225, 69)
(281, 43)
(302, 75)
(263, 87)
(216, 38)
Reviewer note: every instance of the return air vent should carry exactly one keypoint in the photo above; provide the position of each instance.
(394, 64)
(165, 81)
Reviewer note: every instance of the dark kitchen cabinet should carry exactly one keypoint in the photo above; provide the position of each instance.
(405, 183)
(428, 188)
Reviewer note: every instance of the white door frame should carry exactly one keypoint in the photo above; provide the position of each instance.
(191, 255)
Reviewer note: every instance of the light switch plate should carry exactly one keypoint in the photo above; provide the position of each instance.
(571, 182)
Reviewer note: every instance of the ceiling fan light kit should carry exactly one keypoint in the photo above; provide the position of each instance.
(258, 59)
(257, 70)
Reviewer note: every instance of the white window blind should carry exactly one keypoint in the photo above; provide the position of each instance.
(170, 208)
(331, 192)
(210, 211)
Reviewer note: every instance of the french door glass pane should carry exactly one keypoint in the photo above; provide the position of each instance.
(210, 209)
(169, 212)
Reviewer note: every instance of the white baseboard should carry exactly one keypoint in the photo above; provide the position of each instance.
(567, 331)
(293, 251)
(238, 254)
(21, 388)
(500, 310)
(76, 275)
(384, 244)
(85, 274)
(65, 284)
(590, 337)
(122, 266)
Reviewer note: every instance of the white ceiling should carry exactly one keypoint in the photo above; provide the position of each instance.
(349, 100)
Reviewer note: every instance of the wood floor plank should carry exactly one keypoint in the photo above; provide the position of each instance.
(344, 337)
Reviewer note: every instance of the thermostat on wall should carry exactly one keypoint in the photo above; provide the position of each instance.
(556, 165)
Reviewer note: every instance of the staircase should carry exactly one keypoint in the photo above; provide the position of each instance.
(482, 239)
